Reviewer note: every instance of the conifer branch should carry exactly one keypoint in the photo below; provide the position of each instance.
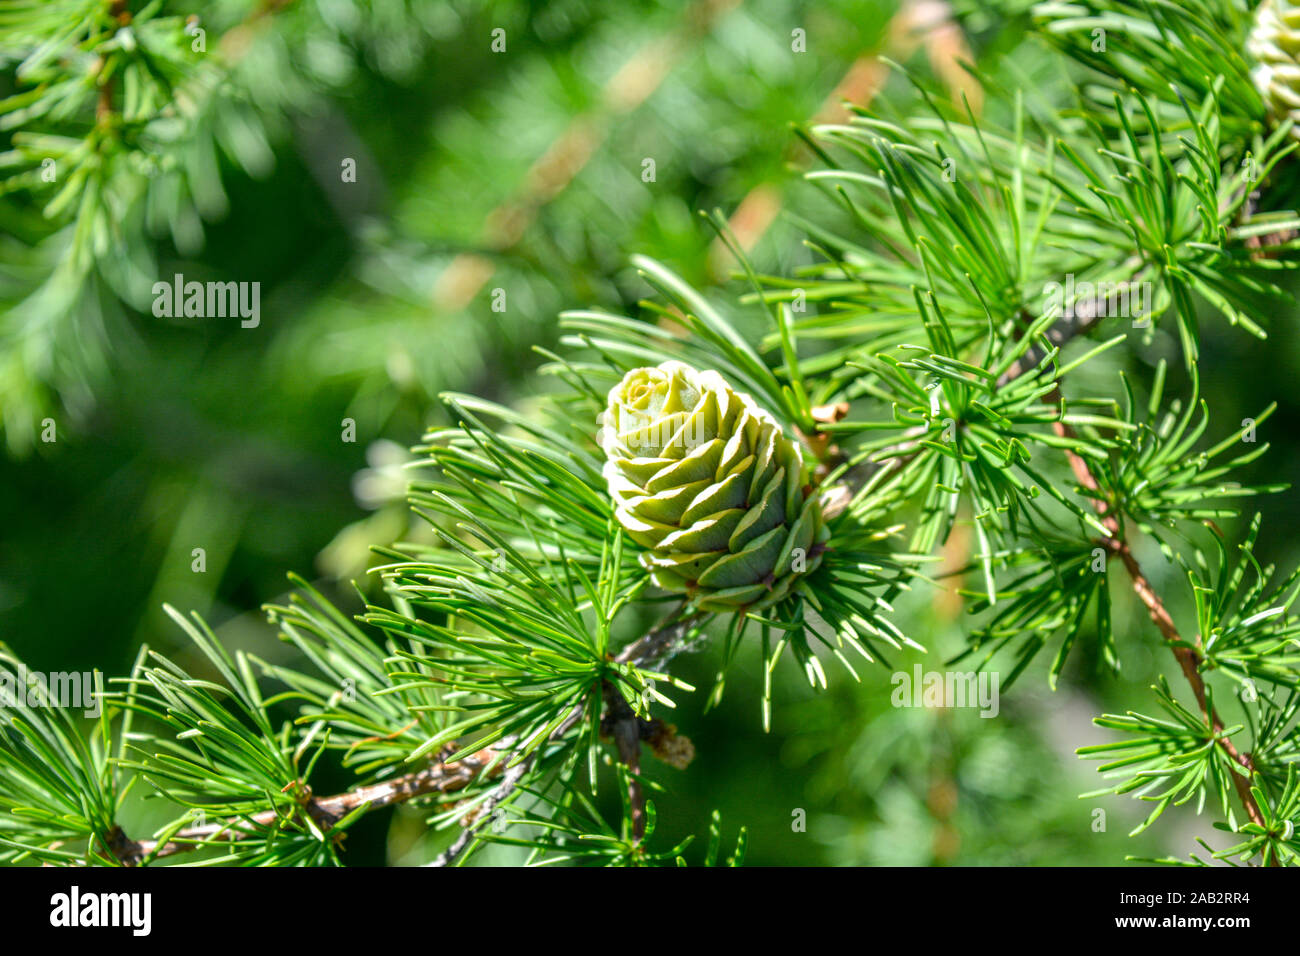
(1188, 657)
(1075, 323)
(440, 776)
(1078, 321)
(626, 728)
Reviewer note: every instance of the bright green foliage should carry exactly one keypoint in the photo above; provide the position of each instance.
(1172, 49)
(936, 379)
(59, 786)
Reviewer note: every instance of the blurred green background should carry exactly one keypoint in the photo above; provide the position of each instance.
(522, 171)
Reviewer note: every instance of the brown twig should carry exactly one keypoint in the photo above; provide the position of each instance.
(1080, 319)
(325, 812)
(104, 104)
(622, 724)
(658, 645)
(503, 790)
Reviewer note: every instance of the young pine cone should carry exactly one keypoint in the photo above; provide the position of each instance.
(712, 486)
(1274, 42)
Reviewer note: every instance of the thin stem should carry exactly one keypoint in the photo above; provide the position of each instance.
(506, 787)
(626, 731)
(624, 726)
(325, 812)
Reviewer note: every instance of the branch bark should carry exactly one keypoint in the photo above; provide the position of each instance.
(625, 728)
(325, 812)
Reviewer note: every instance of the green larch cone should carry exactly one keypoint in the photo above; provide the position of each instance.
(1274, 42)
(709, 483)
